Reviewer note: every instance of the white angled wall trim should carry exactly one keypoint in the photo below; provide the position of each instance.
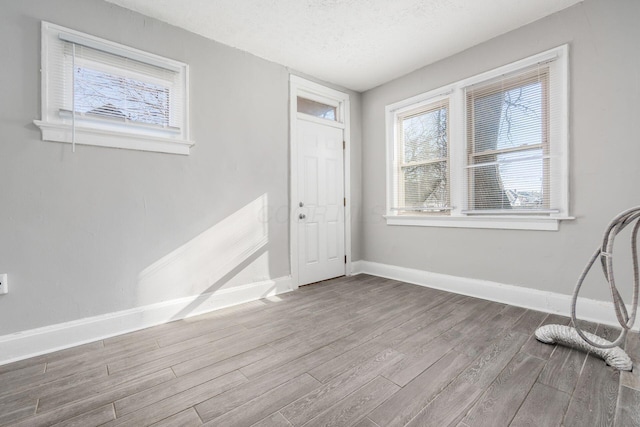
(534, 299)
(34, 342)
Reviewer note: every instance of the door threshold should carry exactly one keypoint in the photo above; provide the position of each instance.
(322, 281)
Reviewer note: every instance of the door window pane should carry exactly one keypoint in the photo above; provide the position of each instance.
(317, 109)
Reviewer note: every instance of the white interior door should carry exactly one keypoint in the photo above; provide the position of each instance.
(321, 245)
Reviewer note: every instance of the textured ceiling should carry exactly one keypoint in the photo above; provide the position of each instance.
(358, 44)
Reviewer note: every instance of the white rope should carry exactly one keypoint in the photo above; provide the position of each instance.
(615, 357)
(605, 253)
(575, 336)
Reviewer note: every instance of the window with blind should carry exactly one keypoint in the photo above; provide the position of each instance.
(421, 173)
(97, 92)
(489, 151)
(508, 144)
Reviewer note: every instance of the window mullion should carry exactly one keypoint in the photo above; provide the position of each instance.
(507, 150)
(457, 151)
(426, 162)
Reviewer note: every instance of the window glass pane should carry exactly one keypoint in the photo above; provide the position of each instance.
(109, 95)
(510, 180)
(425, 136)
(425, 186)
(509, 118)
(317, 109)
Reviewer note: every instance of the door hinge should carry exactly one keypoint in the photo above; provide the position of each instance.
(345, 259)
(345, 201)
(344, 145)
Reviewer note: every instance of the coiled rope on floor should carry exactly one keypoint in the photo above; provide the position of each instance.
(575, 336)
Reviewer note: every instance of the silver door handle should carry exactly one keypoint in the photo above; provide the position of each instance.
(302, 216)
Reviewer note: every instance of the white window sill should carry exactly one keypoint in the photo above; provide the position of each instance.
(58, 132)
(499, 222)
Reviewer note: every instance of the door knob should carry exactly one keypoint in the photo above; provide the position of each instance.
(302, 216)
(301, 204)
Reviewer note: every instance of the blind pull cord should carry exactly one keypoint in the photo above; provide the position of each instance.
(73, 97)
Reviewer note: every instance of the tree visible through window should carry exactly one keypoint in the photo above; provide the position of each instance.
(423, 166)
(508, 143)
(117, 97)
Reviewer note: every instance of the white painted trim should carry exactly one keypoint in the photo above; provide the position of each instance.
(357, 267)
(321, 121)
(534, 299)
(458, 188)
(309, 89)
(59, 132)
(504, 223)
(346, 105)
(101, 132)
(34, 342)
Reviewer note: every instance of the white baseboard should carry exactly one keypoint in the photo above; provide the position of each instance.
(534, 299)
(34, 342)
(356, 267)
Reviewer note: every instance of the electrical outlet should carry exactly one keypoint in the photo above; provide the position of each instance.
(4, 285)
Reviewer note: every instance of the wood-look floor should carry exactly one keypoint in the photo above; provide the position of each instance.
(360, 351)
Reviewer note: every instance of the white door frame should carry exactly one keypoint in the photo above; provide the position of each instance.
(310, 90)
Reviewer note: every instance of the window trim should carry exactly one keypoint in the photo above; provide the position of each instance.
(398, 192)
(458, 151)
(543, 145)
(135, 136)
(340, 120)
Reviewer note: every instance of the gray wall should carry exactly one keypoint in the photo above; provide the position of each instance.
(103, 230)
(604, 154)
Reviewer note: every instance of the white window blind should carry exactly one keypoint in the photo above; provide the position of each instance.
(93, 88)
(508, 152)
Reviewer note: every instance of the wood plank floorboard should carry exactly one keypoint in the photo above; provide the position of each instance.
(353, 351)
(180, 402)
(253, 411)
(188, 418)
(501, 401)
(460, 395)
(357, 405)
(543, 406)
(404, 405)
(632, 379)
(538, 349)
(274, 420)
(628, 411)
(312, 404)
(595, 398)
(95, 387)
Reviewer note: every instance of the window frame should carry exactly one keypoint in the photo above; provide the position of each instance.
(398, 192)
(459, 215)
(509, 84)
(58, 124)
